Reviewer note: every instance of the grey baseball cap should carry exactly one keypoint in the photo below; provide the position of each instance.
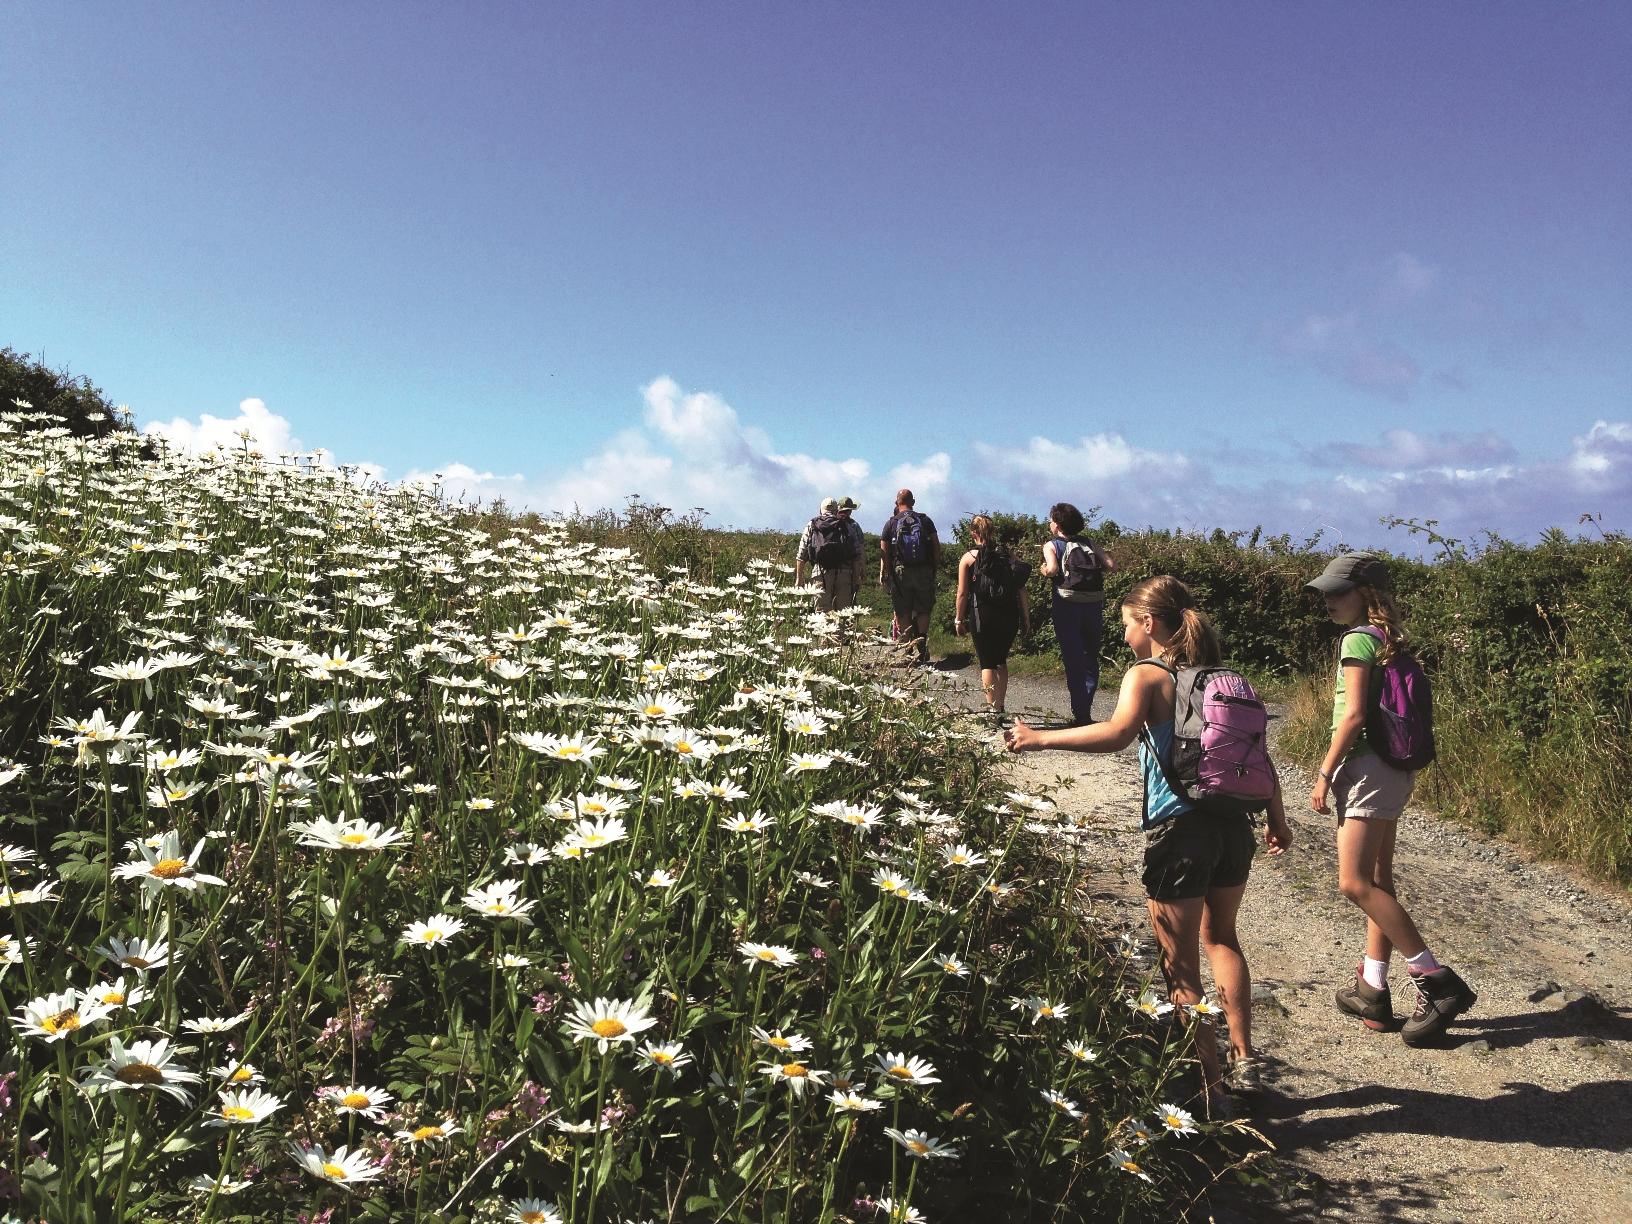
(1345, 572)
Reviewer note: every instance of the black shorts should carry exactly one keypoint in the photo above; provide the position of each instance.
(995, 638)
(1195, 851)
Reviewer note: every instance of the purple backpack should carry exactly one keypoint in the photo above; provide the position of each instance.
(1399, 709)
(1220, 741)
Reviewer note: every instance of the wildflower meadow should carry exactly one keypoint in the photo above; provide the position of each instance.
(360, 862)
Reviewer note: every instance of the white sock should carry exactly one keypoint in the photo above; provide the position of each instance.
(1375, 973)
(1422, 962)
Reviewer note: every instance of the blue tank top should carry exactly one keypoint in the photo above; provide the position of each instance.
(1161, 804)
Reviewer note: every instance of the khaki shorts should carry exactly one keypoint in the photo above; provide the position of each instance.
(838, 590)
(1366, 788)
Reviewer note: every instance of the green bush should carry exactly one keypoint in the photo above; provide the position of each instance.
(45, 397)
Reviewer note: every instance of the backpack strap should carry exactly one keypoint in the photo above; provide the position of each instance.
(1144, 729)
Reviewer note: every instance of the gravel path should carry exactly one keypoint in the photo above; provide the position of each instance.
(1524, 1115)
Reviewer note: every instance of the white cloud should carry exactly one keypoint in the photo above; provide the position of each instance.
(1461, 482)
(695, 451)
(267, 431)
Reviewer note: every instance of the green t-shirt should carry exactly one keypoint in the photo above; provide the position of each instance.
(1358, 647)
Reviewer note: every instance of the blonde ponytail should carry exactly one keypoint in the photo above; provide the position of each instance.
(1194, 641)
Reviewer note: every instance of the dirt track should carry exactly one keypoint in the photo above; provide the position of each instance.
(1524, 1115)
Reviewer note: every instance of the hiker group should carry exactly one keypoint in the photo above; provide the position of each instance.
(1202, 736)
(992, 604)
(832, 552)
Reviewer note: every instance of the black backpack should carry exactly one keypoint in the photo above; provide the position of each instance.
(830, 544)
(995, 580)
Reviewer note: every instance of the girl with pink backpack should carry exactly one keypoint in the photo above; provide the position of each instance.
(1200, 730)
(1382, 733)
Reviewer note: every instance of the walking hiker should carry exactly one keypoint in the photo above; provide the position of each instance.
(1077, 567)
(1379, 684)
(910, 553)
(830, 551)
(1198, 829)
(992, 606)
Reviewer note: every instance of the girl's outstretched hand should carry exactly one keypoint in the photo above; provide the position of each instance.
(1020, 737)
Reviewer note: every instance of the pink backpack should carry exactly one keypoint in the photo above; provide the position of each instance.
(1220, 760)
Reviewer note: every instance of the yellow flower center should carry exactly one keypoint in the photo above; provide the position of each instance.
(568, 750)
(951, 966)
(426, 1132)
(662, 1057)
(1174, 1121)
(241, 1075)
(63, 1022)
(354, 839)
(592, 840)
(1045, 1010)
(682, 747)
(169, 869)
(237, 1113)
(532, 1217)
(795, 1071)
(113, 998)
(139, 1073)
(431, 934)
(356, 1100)
(608, 1028)
(652, 711)
(1130, 1166)
(780, 1043)
(901, 1071)
(765, 954)
(918, 1146)
(337, 1172)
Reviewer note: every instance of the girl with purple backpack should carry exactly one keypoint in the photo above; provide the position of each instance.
(1377, 676)
(1197, 857)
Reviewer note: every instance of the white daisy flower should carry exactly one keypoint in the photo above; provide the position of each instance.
(605, 1021)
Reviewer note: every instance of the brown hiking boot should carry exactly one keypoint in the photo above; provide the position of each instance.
(1441, 997)
(1374, 1006)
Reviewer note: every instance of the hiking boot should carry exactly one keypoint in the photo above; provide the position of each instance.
(1374, 1006)
(1441, 997)
(1245, 1076)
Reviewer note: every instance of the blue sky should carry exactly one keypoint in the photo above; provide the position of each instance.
(1199, 264)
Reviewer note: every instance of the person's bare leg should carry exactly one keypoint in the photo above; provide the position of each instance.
(988, 687)
(999, 691)
(1378, 946)
(1178, 933)
(1231, 976)
(1359, 846)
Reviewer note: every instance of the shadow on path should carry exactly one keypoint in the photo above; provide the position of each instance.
(1591, 1115)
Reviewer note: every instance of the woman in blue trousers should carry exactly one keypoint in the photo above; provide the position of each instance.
(1077, 568)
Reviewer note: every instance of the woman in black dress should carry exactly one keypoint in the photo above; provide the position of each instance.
(993, 606)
